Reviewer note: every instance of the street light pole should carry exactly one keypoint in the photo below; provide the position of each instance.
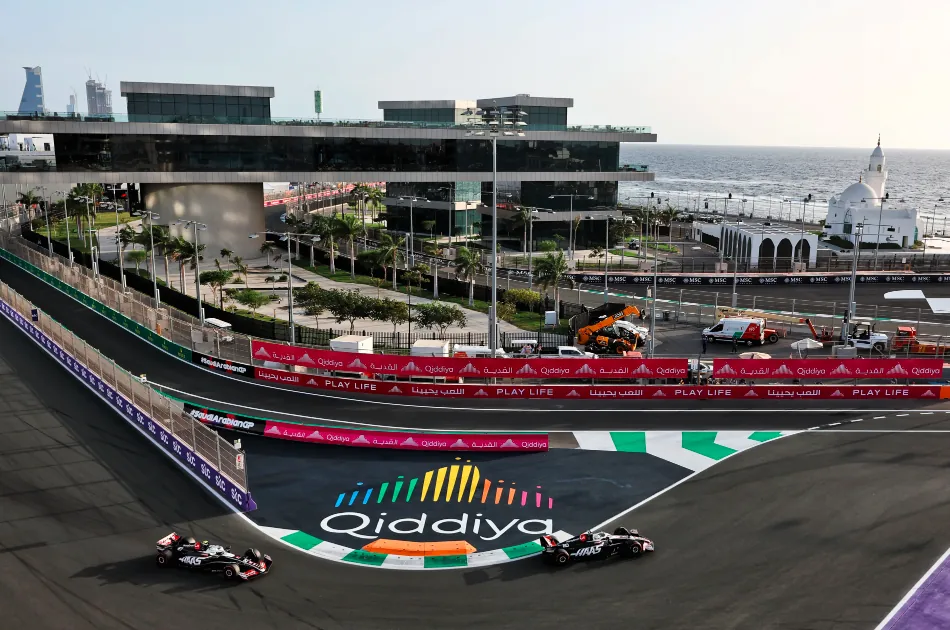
(859, 230)
(150, 217)
(69, 246)
(496, 120)
(197, 226)
(653, 306)
(290, 291)
(606, 253)
(285, 236)
(118, 250)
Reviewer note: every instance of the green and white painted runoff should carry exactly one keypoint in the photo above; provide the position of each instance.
(693, 450)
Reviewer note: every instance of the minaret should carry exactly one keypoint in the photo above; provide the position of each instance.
(877, 171)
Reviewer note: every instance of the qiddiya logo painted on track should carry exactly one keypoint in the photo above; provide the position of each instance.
(458, 508)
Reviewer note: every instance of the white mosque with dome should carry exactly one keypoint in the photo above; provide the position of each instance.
(866, 202)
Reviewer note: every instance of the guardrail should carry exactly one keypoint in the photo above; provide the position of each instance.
(195, 447)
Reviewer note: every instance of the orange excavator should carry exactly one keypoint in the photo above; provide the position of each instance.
(611, 335)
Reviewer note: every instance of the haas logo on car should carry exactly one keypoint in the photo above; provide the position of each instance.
(192, 560)
(589, 551)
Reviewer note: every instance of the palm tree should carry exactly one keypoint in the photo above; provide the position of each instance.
(324, 227)
(523, 218)
(668, 215)
(468, 264)
(349, 227)
(127, 236)
(165, 243)
(375, 197)
(185, 252)
(549, 271)
(241, 268)
(268, 247)
(389, 251)
(361, 192)
(226, 254)
(577, 224)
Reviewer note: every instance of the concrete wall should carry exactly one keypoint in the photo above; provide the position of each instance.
(231, 212)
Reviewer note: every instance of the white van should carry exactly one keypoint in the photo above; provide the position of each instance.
(750, 330)
(478, 352)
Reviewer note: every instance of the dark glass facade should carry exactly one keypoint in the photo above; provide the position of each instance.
(545, 118)
(193, 108)
(179, 153)
(435, 115)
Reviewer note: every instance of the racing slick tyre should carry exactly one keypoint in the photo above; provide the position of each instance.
(164, 559)
(773, 338)
(631, 551)
(562, 557)
(232, 572)
(253, 555)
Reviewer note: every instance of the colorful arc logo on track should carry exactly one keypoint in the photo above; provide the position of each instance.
(450, 510)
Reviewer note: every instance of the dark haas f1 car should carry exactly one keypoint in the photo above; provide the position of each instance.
(627, 543)
(175, 550)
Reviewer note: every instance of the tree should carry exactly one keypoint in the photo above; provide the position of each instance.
(506, 310)
(226, 254)
(525, 298)
(620, 232)
(349, 306)
(267, 248)
(185, 253)
(429, 226)
(29, 199)
(216, 279)
(312, 298)
(253, 300)
(324, 227)
(241, 268)
(523, 217)
(549, 270)
(395, 312)
(439, 315)
(349, 227)
(127, 236)
(371, 259)
(547, 246)
(390, 250)
(375, 196)
(415, 275)
(576, 226)
(138, 256)
(667, 216)
(468, 264)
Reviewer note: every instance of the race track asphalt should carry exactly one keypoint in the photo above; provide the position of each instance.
(254, 398)
(821, 531)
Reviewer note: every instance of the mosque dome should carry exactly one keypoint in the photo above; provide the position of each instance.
(855, 193)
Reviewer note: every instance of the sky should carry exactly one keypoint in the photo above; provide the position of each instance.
(829, 73)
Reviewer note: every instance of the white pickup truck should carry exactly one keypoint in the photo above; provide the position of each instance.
(566, 352)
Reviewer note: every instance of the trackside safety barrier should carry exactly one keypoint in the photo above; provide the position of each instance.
(454, 367)
(601, 392)
(196, 448)
(828, 368)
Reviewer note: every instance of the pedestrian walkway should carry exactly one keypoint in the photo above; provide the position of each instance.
(266, 279)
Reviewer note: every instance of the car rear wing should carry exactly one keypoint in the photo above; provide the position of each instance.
(548, 541)
(167, 540)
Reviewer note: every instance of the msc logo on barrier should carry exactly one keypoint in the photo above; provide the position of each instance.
(456, 505)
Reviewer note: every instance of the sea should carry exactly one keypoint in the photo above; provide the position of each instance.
(774, 180)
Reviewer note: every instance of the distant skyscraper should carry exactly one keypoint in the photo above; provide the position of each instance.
(71, 108)
(32, 101)
(98, 99)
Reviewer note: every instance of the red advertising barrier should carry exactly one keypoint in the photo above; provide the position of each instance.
(601, 392)
(452, 367)
(408, 441)
(827, 368)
